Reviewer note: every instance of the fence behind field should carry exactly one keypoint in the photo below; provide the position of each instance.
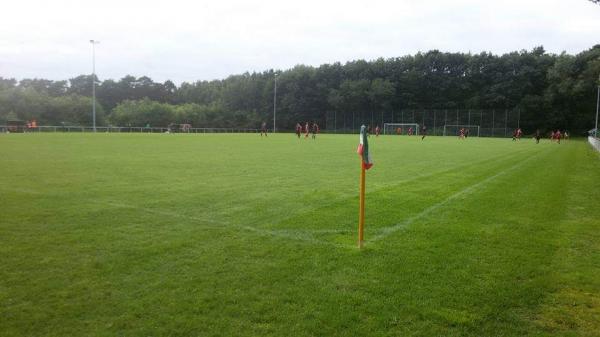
(491, 122)
(121, 129)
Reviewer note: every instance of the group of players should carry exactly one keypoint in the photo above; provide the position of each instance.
(555, 136)
(308, 129)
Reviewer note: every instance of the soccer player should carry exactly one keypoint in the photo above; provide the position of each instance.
(263, 129)
(566, 135)
(537, 136)
(461, 133)
(298, 130)
(557, 135)
(424, 132)
(315, 130)
(514, 135)
(399, 131)
(410, 131)
(552, 137)
(467, 131)
(377, 131)
(306, 130)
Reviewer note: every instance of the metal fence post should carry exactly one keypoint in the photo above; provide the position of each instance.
(434, 122)
(493, 121)
(505, 120)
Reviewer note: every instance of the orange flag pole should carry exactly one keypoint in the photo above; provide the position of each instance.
(361, 215)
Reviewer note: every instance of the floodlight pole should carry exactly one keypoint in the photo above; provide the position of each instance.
(94, 43)
(597, 108)
(275, 104)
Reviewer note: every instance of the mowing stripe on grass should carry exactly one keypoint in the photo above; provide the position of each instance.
(345, 196)
(392, 229)
(306, 235)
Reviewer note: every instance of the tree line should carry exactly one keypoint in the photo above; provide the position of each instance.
(550, 90)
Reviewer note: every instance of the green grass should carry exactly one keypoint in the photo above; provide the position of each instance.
(234, 235)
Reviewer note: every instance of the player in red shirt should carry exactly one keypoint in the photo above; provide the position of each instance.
(377, 130)
(410, 131)
(461, 133)
(306, 130)
(557, 135)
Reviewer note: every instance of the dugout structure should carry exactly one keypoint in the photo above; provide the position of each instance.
(390, 128)
(453, 130)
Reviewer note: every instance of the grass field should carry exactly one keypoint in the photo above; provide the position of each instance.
(234, 235)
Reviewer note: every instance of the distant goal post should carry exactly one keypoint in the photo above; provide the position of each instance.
(453, 129)
(393, 128)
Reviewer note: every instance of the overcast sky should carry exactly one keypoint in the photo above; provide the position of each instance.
(204, 40)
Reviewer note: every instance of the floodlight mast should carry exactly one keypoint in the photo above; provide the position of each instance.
(275, 104)
(597, 107)
(94, 43)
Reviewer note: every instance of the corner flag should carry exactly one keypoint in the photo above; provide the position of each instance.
(366, 163)
(363, 148)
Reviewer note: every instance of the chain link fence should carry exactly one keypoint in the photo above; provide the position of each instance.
(491, 122)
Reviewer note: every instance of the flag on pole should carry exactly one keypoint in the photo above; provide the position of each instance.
(363, 148)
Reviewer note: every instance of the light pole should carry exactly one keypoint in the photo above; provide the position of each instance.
(94, 43)
(275, 104)
(597, 107)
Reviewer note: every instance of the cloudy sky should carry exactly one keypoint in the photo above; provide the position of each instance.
(202, 40)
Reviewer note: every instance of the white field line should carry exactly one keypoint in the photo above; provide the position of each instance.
(436, 173)
(294, 235)
(400, 182)
(392, 229)
(218, 225)
(223, 225)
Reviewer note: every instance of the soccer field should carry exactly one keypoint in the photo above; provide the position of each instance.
(238, 235)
